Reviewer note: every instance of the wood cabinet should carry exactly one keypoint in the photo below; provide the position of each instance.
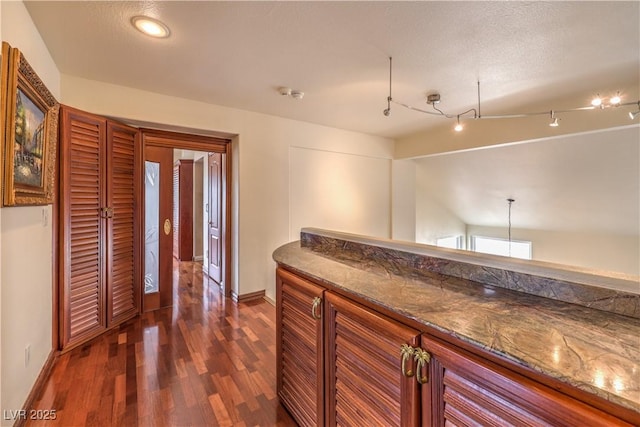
(393, 372)
(365, 385)
(183, 210)
(98, 225)
(464, 389)
(300, 368)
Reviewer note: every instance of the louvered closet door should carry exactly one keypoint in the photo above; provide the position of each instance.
(82, 229)
(122, 293)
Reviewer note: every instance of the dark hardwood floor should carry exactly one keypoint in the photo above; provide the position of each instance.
(204, 362)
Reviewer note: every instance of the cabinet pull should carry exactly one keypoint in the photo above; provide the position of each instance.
(314, 308)
(407, 352)
(106, 212)
(422, 364)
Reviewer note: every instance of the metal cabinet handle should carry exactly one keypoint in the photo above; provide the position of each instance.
(315, 313)
(422, 364)
(407, 352)
(106, 212)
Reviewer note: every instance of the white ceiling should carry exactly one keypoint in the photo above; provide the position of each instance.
(584, 182)
(526, 55)
(237, 54)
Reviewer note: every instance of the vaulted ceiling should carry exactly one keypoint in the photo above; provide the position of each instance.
(579, 183)
(238, 54)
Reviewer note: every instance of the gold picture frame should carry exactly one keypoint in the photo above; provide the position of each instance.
(30, 133)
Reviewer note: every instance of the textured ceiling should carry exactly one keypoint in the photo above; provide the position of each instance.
(527, 55)
(237, 54)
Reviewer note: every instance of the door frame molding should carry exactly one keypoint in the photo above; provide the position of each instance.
(184, 141)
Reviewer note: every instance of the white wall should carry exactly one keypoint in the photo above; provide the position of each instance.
(25, 247)
(600, 251)
(338, 191)
(403, 200)
(433, 220)
(261, 164)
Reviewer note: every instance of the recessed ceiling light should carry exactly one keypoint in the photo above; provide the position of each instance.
(150, 26)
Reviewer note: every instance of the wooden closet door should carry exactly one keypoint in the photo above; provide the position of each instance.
(123, 295)
(82, 228)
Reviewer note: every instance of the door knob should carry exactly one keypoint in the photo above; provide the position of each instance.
(167, 226)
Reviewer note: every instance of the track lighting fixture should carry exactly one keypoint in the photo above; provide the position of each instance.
(615, 100)
(434, 99)
(458, 126)
(634, 114)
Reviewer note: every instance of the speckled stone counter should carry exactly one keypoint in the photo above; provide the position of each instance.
(593, 350)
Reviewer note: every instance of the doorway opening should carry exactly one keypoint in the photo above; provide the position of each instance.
(186, 211)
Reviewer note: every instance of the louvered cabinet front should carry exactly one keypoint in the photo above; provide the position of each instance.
(97, 226)
(464, 390)
(365, 382)
(299, 348)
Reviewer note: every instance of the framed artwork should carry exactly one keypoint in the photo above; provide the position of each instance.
(30, 133)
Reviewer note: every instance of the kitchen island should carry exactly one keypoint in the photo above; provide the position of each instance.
(404, 334)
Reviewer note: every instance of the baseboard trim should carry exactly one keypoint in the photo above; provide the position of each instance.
(269, 300)
(38, 386)
(247, 297)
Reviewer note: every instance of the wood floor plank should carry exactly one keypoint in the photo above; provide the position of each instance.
(206, 361)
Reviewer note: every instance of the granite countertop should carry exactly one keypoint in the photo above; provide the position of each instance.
(593, 350)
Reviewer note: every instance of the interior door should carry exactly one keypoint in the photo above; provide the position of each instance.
(158, 241)
(215, 216)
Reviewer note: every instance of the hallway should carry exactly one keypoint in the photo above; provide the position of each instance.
(204, 362)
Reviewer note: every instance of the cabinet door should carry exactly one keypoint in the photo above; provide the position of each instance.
(464, 390)
(123, 293)
(299, 348)
(365, 383)
(81, 226)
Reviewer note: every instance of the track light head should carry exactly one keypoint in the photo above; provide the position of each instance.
(615, 100)
(458, 127)
(634, 114)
